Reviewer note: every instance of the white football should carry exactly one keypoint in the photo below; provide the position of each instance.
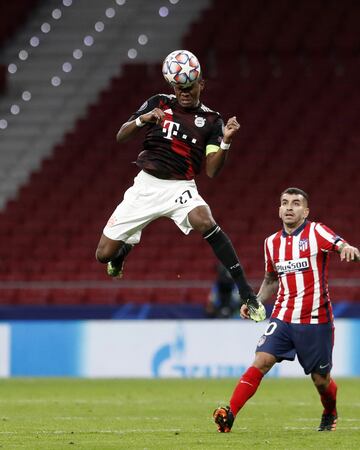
(181, 67)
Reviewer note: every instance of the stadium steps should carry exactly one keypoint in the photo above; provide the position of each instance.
(52, 110)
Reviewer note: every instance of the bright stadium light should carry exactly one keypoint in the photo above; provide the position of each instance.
(88, 41)
(23, 55)
(12, 68)
(56, 81)
(67, 67)
(14, 109)
(56, 14)
(26, 96)
(34, 41)
(132, 53)
(67, 2)
(163, 11)
(77, 53)
(45, 27)
(143, 39)
(3, 124)
(174, 2)
(110, 13)
(120, 2)
(99, 26)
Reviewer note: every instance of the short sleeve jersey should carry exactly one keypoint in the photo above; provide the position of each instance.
(300, 261)
(176, 148)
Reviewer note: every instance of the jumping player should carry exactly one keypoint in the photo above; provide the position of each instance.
(296, 267)
(179, 133)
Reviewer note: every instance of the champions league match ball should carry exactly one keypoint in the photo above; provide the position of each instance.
(181, 67)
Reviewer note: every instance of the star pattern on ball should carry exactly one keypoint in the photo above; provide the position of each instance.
(181, 67)
(186, 67)
(170, 77)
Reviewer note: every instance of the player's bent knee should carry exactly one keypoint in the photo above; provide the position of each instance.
(321, 381)
(101, 256)
(208, 223)
(204, 225)
(107, 249)
(264, 361)
(200, 219)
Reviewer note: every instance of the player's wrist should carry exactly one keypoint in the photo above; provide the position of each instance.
(225, 145)
(139, 123)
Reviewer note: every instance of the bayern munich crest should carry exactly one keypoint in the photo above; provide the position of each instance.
(199, 121)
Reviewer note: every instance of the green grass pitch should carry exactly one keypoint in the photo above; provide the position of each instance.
(169, 414)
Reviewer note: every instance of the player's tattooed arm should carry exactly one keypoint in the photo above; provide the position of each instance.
(269, 287)
(348, 252)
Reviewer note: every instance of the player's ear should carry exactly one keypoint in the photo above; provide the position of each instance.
(202, 84)
(306, 212)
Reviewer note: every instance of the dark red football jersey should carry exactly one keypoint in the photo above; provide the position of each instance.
(175, 148)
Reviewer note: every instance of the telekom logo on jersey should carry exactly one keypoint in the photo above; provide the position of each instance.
(171, 129)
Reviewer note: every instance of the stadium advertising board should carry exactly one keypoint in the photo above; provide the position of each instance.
(4, 350)
(151, 349)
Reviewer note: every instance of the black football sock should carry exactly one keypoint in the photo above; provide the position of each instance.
(226, 254)
(122, 253)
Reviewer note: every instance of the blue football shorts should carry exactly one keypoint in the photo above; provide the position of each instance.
(311, 343)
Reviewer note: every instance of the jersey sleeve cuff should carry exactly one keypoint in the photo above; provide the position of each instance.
(339, 242)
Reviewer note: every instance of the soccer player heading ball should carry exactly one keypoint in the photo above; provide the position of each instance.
(179, 132)
(296, 266)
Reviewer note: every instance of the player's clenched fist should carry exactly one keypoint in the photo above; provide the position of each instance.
(155, 116)
(231, 127)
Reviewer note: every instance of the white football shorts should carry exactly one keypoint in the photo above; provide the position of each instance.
(148, 199)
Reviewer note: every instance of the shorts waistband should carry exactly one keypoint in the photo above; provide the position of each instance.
(142, 175)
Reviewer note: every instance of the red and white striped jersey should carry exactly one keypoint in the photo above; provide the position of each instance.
(300, 261)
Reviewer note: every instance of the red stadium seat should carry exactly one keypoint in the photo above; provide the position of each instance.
(34, 297)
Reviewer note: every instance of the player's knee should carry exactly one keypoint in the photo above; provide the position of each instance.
(321, 382)
(201, 219)
(205, 224)
(102, 256)
(264, 362)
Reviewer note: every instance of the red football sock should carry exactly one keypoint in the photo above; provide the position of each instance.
(245, 388)
(328, 398)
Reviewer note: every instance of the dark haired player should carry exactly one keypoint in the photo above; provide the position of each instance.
(296, 267)
(179, 133)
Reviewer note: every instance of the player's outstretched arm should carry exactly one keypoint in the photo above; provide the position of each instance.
(129, 129)
(215, 161)
(268, 288)
(349, 253)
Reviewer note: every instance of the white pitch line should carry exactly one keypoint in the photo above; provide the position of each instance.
(55, 432)
(316, 418)
(313, 428)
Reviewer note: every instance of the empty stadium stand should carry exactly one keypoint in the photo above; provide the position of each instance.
(290, 73)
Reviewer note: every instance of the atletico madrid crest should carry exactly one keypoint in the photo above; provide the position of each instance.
(303, 244)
